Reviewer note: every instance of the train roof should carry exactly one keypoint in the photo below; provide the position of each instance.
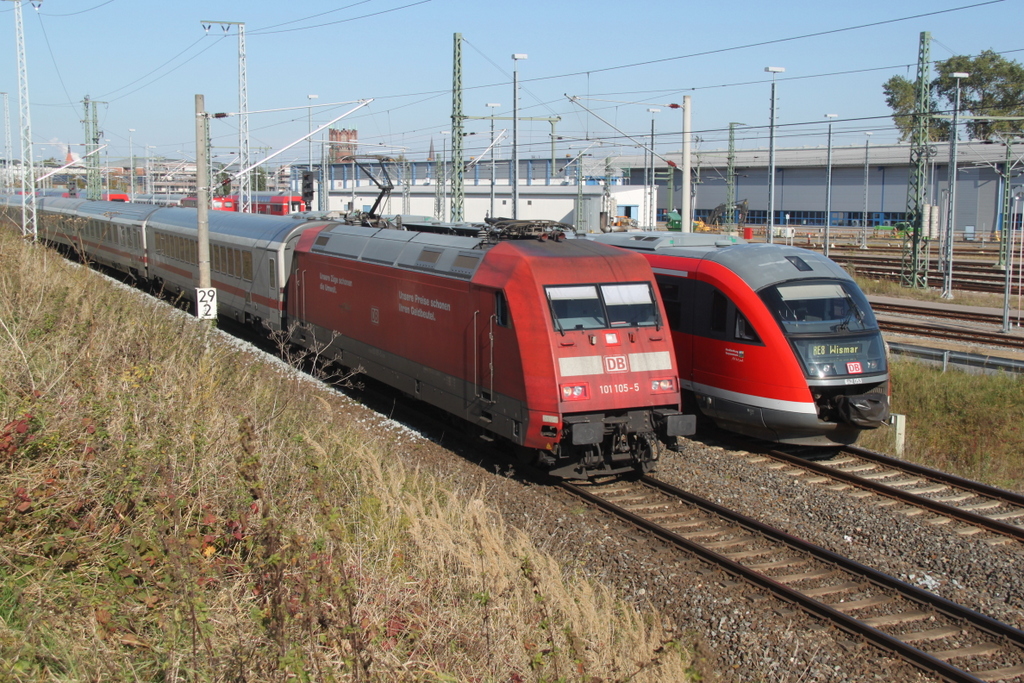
(243, 226)
(449, 255)
(116, 212)
(659, 241)
(759, 264)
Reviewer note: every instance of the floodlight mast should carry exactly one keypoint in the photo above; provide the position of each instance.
(773, 70)
(515, 132)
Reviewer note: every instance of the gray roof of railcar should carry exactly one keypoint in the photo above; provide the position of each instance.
(117, 212)
(760, 265)
(240, 226)
(403, 249)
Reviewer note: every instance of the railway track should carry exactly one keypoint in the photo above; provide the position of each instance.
(948, 498)
(935, 634)
(979, 337)
(967, 275)
(973, 316)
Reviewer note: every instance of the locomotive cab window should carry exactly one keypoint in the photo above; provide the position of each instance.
(592, 307)
(501, 314)
(576, 308)
(630, 305)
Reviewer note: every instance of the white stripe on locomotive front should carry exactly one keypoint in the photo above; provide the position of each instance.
(578, 366)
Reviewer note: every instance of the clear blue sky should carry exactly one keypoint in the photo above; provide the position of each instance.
(148, 59)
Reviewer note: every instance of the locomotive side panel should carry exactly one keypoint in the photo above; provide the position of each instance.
(432, 337)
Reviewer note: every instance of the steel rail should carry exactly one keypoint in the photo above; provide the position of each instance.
(847, 623)
(967, 336)
(920, 311)
(1010, 497)
(944, 509)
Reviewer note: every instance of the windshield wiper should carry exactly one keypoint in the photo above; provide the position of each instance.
(854, 310)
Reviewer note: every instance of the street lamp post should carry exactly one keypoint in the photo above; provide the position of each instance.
(652, 184)
(309, 140)
(309, 147)
(131, 165)
(492, 106)
(515, 132)
(864, 219)
(828, 186)
(947, 279)
(771, 156)
(1007, 278)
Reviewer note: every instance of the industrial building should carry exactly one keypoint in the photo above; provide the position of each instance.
(868, 186)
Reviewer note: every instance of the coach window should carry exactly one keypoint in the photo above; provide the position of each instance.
(744, 330)
(273, 274)
(247, 265)
(671, 297)
(719, 311)
(501, 314)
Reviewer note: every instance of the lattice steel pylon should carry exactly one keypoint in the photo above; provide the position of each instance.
(730, 178)
(29, 223)
(93, 178)
(458, 168)
(914, 269)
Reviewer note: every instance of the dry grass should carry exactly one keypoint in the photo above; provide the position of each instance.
(173, 509)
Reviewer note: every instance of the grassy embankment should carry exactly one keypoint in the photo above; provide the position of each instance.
(967, 424)
(172, 509)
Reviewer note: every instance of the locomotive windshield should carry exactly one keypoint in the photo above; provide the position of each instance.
(830, 325)
(595, 307)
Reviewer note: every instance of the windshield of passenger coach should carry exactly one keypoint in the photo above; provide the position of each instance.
(593, 307)
(816, 307)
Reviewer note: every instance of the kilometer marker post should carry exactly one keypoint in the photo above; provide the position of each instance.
(206, 295)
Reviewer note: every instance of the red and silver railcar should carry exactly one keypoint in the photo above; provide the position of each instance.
(557, 345)
(772, 341)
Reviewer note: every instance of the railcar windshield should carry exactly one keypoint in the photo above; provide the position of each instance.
(601, 306)
(830, 325)
(819, 307)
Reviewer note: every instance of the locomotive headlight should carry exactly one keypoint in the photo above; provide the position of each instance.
(661, 386)
(575, 392)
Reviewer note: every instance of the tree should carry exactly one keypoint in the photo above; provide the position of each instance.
(900, 96)
(995, 87)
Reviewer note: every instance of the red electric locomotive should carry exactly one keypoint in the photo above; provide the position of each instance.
(558, 345)
(270, 203)
(773, 341)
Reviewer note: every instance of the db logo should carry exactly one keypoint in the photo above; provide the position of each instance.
(616, 364)
(375, 315)
(854, 368)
